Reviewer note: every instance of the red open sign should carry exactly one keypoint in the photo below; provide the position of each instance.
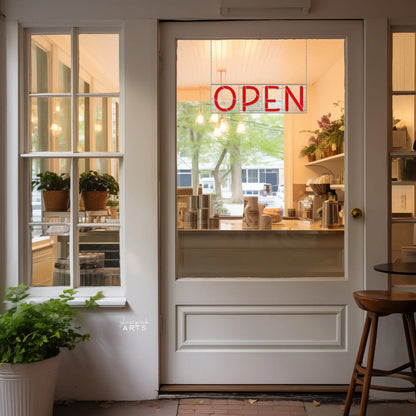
(276, 98)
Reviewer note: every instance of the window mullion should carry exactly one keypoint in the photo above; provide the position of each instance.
(73, 242)
(74, 255)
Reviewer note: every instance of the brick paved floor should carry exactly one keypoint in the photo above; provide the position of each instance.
(226, 407)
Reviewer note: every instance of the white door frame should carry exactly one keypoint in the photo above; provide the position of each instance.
(179, 292)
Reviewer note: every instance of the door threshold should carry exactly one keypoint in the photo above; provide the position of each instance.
(252, 388)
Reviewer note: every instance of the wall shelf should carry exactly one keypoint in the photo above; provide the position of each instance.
(327, 160)
(411, 220)
(403, 154)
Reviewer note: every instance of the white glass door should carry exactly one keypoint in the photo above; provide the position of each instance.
(258, 261)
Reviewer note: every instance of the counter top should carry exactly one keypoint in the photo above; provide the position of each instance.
(284, 225)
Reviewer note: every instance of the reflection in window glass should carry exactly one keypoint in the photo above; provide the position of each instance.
(99, 256)
(98, 124)
(50, 124)
(98, 63)
(50, 189)
(103, 175)
(50, 250)
(52, 101)
(47, 51)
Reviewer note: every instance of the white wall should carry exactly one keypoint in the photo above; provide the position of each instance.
(2, 155)
(398, 11)
(122, 362)
(123, 365)
(322, 94)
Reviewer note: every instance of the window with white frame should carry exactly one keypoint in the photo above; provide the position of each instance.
(71, 159)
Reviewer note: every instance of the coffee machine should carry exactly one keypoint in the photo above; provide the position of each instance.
(308, 206)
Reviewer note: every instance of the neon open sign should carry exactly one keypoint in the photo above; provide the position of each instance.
(258, 98)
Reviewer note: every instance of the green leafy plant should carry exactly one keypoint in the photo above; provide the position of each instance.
(112, 202)
(32, 332)
(330, 134)
(311, 148)
(51, 181)
(93, 180)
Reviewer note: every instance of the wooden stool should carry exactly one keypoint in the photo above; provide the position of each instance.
(382, 303)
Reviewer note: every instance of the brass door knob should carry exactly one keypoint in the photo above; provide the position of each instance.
(356, 213)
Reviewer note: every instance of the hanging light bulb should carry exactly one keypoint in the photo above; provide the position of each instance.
(224, 125)
(241, 127)
(98, 126)
(217, 130)
(200, 117)
(214, 118)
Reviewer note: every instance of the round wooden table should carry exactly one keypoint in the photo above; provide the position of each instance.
(396, 268)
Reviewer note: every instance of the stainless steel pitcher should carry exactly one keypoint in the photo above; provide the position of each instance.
(330, 214)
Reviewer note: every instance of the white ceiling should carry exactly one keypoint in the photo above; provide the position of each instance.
(274, 61)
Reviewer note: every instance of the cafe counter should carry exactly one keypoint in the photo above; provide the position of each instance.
(292, 248)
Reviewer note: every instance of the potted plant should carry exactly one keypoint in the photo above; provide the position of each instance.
(55, 190)
(112, 204)
(95, 187)
(31, 336)
(329, 138)
(311, 149)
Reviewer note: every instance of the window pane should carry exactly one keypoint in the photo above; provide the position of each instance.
(99, 255)
(50, 124)
(50, 251)
(98, 124)
(50, 190)
(252, 175)
(50, 64)
(404, 49)
(99, 175)
(99, 63)
(404, 122)
(237, 161)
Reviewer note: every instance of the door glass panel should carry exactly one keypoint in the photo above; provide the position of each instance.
(404, 61)
(260, 193)
(403, 122)
(403, 157)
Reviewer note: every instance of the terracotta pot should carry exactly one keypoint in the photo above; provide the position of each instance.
(311, 157)
(28, 389)
(55, 200)
(95, 200)
(113, 213)
(329, 152)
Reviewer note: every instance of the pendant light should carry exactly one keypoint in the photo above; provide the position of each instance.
(200, 117)
(241, 127)
(217, 130)
(224, 125)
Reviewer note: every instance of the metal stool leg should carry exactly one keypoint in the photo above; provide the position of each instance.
(370, 361)
(358, 361)
(410, 333)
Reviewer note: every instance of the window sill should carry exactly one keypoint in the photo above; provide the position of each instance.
(106, 302)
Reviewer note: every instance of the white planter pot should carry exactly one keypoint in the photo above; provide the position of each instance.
(28, 389)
